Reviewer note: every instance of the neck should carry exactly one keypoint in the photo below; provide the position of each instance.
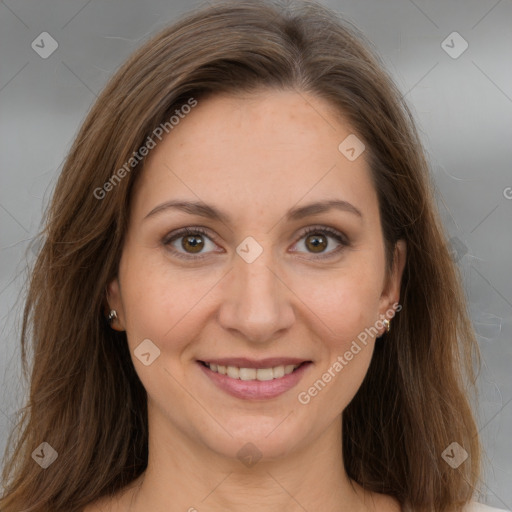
(183, 476)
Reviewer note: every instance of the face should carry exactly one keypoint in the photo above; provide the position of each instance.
(264, 288)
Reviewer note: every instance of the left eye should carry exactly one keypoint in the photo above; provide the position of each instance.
(316, 240)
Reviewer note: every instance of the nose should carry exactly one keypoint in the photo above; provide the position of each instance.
(257, 304)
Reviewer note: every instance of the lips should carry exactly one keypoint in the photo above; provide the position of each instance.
(254, 379)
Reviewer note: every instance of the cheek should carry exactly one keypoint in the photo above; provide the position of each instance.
(158, 302)
(347, 305)
(164, 307)
(345, 302)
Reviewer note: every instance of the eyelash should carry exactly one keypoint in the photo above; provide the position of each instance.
(324, 230)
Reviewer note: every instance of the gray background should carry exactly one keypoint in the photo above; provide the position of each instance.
(462, 106)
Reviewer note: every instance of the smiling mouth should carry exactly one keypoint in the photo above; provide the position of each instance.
(254, 374)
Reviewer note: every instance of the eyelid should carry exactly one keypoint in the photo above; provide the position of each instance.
(180, 233)
(331, 232)
(326, 229)
(189, 230)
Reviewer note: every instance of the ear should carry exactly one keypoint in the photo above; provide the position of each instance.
(113, 301)
(391, 292)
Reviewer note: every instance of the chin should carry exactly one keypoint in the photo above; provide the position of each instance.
(262, 438)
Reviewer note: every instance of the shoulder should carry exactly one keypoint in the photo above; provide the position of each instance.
(480, 507)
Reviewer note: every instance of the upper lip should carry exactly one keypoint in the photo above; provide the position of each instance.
(243, 362)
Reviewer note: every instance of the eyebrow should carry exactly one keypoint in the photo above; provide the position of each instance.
(204, 210)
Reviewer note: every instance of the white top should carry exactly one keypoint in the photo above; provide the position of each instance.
(474, 506)
(480, 507)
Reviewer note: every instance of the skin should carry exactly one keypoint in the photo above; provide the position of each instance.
(254, 157)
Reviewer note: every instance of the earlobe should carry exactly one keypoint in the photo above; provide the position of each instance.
(390, 296)
(391, 292)
(113, 306)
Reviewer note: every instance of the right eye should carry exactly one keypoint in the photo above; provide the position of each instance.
(192, 242)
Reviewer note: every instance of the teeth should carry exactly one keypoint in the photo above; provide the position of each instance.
(233, 372)
(264, 374)
(278, 372)
(247, 373)
(261, 374)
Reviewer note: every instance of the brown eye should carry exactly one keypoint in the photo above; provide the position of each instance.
(192, 243)
(316, 242)
(189, 243)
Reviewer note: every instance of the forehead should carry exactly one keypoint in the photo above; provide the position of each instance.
(271, 150)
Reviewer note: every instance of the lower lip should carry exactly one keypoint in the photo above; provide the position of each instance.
(255, 389)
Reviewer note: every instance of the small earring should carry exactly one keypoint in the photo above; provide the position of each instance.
(112, 316)
(387, 323)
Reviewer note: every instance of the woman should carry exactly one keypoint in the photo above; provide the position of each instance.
(244, 300)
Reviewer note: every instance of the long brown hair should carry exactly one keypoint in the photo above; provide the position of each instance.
(85, 398)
